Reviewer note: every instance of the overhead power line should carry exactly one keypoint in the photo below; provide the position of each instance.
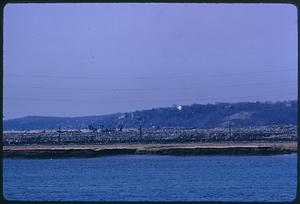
(149, 89)
(147, 77)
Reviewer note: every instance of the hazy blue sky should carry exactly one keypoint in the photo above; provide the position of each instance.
(92, 59)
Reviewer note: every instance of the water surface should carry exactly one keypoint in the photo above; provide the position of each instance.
(152, 178)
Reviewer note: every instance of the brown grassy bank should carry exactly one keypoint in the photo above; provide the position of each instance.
(224, 148)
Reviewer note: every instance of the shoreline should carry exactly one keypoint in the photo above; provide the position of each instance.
(177, 149)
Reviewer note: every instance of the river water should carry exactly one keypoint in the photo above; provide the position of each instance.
(152, 178)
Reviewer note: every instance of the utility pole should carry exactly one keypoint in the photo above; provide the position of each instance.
(59, 131)
(140, 131)
(230, 129)
(140, 127)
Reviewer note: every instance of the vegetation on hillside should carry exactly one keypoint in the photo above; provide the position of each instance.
(242, 114)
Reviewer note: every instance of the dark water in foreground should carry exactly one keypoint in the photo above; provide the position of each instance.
(152, 178)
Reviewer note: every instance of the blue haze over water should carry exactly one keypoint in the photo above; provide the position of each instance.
(152, 178)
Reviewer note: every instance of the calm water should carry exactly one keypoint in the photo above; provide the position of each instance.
(155, 178)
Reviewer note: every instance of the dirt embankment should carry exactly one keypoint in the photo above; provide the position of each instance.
(56, 151)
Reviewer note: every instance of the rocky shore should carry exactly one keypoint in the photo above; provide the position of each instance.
(61, 151)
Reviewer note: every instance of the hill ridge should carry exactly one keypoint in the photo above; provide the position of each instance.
(240, 114)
